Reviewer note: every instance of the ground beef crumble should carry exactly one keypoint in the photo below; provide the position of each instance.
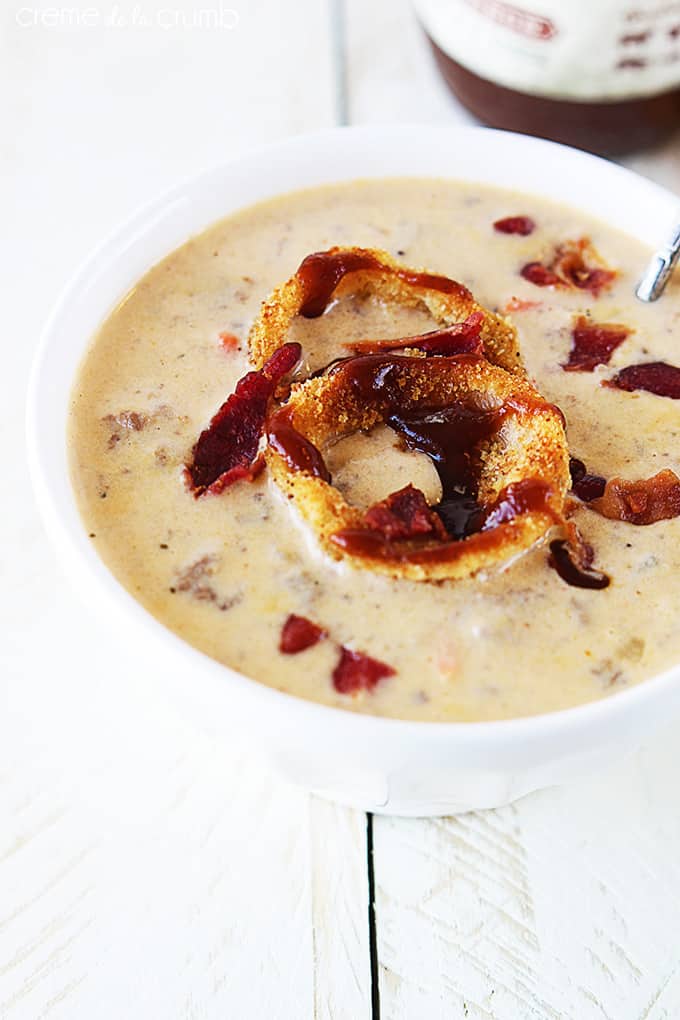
(193, 580)
(125, 423)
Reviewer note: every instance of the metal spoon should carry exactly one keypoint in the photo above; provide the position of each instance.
(659, 270)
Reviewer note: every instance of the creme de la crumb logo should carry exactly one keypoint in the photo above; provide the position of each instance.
(206, 17)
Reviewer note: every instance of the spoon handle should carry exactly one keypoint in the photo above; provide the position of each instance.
(659, 270)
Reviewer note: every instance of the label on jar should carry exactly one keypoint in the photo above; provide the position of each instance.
(563, 49)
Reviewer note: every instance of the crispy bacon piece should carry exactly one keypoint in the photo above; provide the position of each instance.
(404, 514)
(227, 450)
(299, 633)
(593, 344)
(574, 264)
(528, 495)
(652, 376)
(642, 502)
(460, 338)
(584, 485)
(230, 342)
(356, 672)
(523, 225)
(281, 362)
(540, 275)
(515, 304)
(577, 470)
(570, 264)
(589, 487)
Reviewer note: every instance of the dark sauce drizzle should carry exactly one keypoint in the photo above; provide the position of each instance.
(297, 451)
(321, 273)
(564, 560)
(449, 437)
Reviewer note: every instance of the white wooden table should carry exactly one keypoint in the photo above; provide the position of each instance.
(146, 872)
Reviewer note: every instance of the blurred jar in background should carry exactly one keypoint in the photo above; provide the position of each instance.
(602, 75)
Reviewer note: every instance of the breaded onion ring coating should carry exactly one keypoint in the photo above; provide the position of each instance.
(521, 464)
(369, 271)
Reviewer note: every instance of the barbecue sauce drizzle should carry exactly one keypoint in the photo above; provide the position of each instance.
(564, 559)
(321, 273)
(297, 451)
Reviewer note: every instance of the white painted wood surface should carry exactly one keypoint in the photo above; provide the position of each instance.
(146, 872)
(566, 904)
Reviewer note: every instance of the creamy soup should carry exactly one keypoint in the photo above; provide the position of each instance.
(225, 571)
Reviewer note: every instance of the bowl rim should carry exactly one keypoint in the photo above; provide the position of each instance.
(584, 717)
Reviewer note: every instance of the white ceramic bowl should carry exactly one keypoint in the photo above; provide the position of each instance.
(379, 764)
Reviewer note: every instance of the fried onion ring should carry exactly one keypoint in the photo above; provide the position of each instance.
(521, 463)
(342, 271)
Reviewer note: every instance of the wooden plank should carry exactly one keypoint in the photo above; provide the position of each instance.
(145, 871)
(565, 904)
(342, 978)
